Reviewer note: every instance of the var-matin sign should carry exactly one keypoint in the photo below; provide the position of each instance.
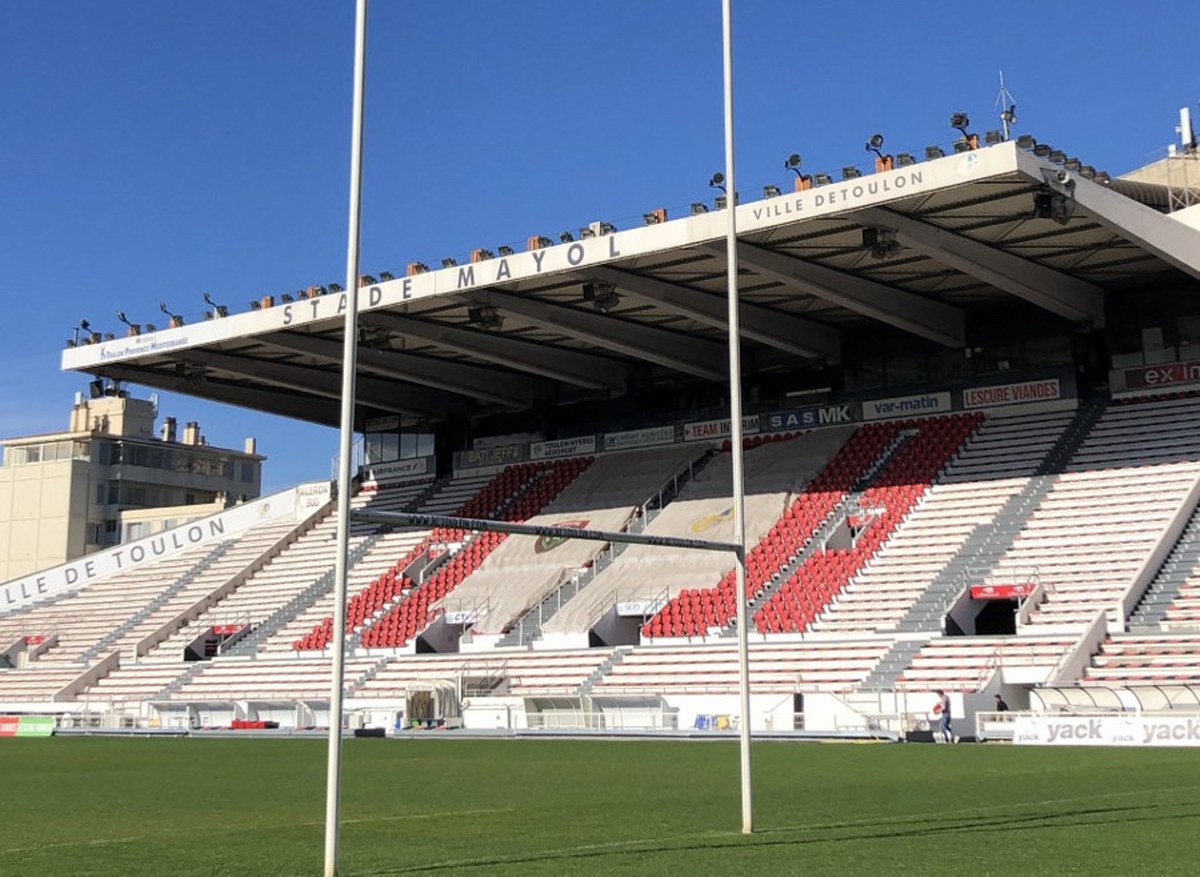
(1111, 730)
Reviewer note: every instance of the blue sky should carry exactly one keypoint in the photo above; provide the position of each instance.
(153, 151)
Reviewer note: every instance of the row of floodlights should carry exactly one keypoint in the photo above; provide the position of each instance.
(968, 142)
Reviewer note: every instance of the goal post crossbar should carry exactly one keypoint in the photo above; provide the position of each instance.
(417, 519)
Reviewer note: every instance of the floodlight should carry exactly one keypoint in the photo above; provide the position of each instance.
(603, 296)
(655, 217)
(932, 152)
(286, 298)
(385, 276)
(699, 207)
(962, 145)
(566, 237)
(1026, 141)
(1057, 156)
(449, 262)
(538, 241)
(960, 121)
(335, 287)
(875, 144)
(850, 172)
(504, 250)
(1087, 172)
(174, 320)
(991, 138)
(792, 163)
(822, 179)
(905, 159)
(1103, 177)
(771, 191)
(134, 328)
(366, 280)
(717, 181)
(1073, 164)
(484, 316)
(217, 310)
(1042, 150)
(481, 255)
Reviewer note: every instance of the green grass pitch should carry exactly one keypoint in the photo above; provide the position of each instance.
(554, 807)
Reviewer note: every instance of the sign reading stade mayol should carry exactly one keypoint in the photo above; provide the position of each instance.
(549, 543)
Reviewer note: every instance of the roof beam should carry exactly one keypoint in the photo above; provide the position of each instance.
(775, 329)
(568, 366)
(673, 350)
(385, 395)
(1070, 298)
(1168, 238)
(300, 406)
(905, 310)
(511, 391)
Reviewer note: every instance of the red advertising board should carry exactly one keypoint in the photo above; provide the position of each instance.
(9, 725)
(1164, 374)
(1000, 592)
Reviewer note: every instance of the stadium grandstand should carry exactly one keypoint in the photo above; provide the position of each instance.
(972, 464)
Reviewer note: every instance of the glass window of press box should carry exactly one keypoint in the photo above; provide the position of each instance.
(387, 447)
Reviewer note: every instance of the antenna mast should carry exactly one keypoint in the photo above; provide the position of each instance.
(1007, 104)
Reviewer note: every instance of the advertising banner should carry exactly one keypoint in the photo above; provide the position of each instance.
(1109, 730)
(1001, 592)
(639, 438)
(807, 418)
(906, 406)
(26, 726)
(1162, 375)
(75, 574)
(397, 470)
(500, 455)
(572, 447)
(712, 429)
(1012, 394)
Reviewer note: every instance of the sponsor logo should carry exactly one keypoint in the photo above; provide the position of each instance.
(807, 418)
(1074, 731)
(549, 543)
(397, 471)
(710, 429)
(639, 438)
(1012, 394)
(1178, 731)
(572, 447)
(1162, 375)
(704, 523)
(1000, 592)
(497, 456)
(905, 406)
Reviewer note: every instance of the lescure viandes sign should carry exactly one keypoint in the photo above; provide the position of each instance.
(688, 231)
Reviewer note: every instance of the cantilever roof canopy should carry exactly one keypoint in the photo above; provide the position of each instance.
(579, 319)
